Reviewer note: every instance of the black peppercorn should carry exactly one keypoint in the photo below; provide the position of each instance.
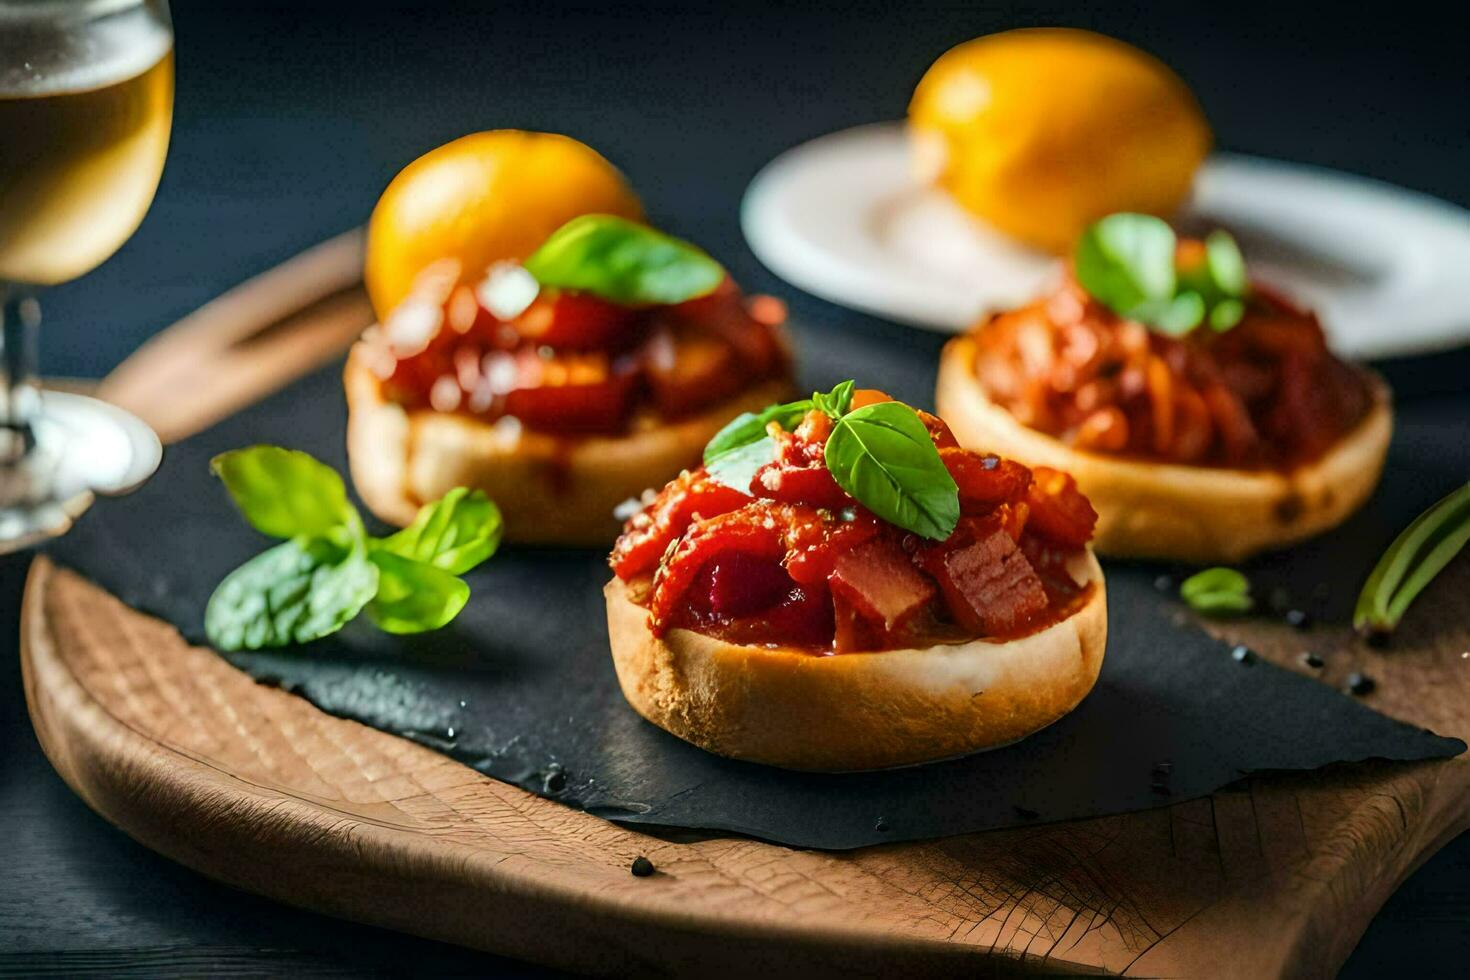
(642, 867)
(1243, 654)
(1360, 683)
(1311, 660)
(1298, 619)
(881, 826)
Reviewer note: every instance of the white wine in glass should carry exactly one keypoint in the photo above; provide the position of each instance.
(86, 105)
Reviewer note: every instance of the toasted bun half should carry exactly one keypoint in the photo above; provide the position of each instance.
(797, 710)
(551, 490)
(1171, 511)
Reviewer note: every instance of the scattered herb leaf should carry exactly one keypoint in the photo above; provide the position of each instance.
(623, 261)
(1416, 556)
(283, 492)
(296, 592)
(330, 569)
(1217, 592)
(455, 533)
(413, 596)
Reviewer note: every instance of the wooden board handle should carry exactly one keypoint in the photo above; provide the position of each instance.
(248, 342)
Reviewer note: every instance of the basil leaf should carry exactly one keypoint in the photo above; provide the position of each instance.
(1225, 264)
(285, 493)
(1126, 260)
(622, 261)
(455, 533)
(1221, 603)
(748, 427)
(1210, 580)
(414, 596)
(883, 456)
(1226, 314)
(735, 468)
(296, 592)
(1175, 317)
(837, 402)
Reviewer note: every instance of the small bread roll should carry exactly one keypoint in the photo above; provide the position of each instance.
(800, 710)
(1167, 510)
(550, 489)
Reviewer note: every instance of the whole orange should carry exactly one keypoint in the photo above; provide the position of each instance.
(1041, 132)
(481, 199)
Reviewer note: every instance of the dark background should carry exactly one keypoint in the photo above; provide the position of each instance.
(291, 118)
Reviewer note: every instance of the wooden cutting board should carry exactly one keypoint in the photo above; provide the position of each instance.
(1277, 876)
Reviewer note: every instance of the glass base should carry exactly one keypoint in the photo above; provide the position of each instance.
(82, 447)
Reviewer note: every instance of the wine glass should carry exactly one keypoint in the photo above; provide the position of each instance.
(86, 104)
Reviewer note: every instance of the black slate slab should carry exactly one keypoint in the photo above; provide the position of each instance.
(521, 686)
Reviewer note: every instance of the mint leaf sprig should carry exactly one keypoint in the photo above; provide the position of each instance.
(330, 569)
(880, 454)
(1126, 262)
(623, 261)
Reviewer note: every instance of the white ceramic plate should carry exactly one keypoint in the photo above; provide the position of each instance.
(842, 216)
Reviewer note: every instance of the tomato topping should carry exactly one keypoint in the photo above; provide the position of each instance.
(1266, 393)
(648, 533)
(881, 585)
(801, 564)
(745, 530)
(568, 361)
(988, 584)
(985, 481)
(576, 321)
(723, 314)
(568, 392)
(1059, 511)
(688, 370)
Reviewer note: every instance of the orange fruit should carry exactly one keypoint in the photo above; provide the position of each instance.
(1042, 132)
(481, 199)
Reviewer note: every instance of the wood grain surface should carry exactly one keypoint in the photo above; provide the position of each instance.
(1276, 876)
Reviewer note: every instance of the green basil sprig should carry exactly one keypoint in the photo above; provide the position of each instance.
(881, 454)
(1217, 592)
(622, 261)
(1416, 556)
(330, 570)
(1126, 262)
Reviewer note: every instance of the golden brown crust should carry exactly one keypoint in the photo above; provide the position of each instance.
(551, 490)
(797, 710)
(1172, 511)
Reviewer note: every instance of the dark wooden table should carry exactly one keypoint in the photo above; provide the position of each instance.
(291, 118)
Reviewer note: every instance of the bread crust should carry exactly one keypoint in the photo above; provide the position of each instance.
(1173, 511)
(551, 490)
(797, 710)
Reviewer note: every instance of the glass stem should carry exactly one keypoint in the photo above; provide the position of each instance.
(20, 319)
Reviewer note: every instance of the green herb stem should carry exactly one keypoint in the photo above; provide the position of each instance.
(1417, 555)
